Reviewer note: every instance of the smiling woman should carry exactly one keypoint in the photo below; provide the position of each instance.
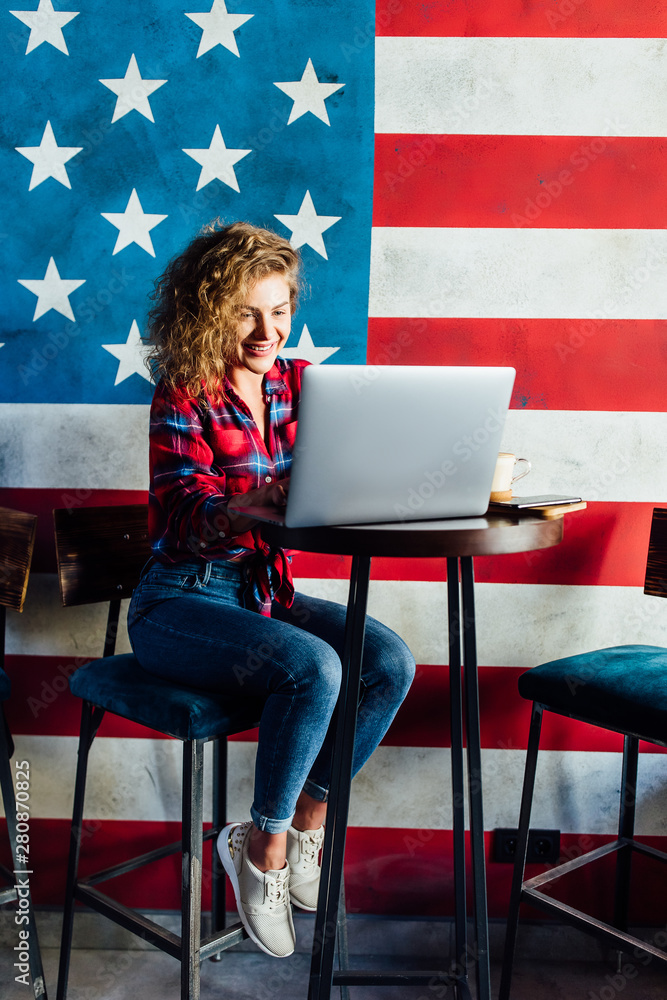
(216, 608)
(263, 327)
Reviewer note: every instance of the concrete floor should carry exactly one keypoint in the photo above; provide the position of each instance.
(556, 964)
(119, 975)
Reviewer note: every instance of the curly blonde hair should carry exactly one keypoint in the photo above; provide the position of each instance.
(192, 328)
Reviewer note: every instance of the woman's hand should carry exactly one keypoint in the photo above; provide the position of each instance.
(270, 495)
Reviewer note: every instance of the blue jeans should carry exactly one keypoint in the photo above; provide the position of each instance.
(187, 624)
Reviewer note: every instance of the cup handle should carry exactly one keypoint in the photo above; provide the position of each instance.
(524, 472)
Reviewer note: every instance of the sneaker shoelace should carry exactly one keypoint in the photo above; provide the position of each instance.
(310, 850)
(276, 891)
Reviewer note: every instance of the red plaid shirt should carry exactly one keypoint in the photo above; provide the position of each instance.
(201, 454)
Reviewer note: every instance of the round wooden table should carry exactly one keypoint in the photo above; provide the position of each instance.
(459, 540)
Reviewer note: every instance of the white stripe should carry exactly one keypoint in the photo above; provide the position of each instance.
(517, 625)
(519, 273)
(597, 455)
(46, 628)
(139, 779)
(75, 447)
(608, 456)
(521, 86)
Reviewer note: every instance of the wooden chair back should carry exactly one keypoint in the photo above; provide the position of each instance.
(101, 551)
(17, 541)
(655, 582)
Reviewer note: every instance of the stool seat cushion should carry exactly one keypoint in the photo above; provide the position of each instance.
(120, 685)
(5, 686)
(623, 688)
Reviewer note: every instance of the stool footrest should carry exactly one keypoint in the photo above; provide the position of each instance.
(234, 934)
(621, 844)
(370, 977)
(530, 893)
(590, 924)
(153, 932)
(130, 919)
(8, 895)
(142, 859)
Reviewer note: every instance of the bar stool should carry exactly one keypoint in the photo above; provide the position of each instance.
(17, 540)
(101, 551)
(622, 689)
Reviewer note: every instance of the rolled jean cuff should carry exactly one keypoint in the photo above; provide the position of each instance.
(316, 791)
(269, 825)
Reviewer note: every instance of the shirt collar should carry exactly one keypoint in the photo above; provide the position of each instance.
(274, 383)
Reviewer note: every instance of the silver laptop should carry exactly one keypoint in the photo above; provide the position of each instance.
(394, 443)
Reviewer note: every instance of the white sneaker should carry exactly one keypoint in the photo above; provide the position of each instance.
(303, 849)
(262, 898)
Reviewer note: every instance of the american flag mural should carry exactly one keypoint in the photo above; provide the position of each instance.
(470, 183)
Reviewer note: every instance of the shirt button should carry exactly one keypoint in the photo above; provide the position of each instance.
(267, 479)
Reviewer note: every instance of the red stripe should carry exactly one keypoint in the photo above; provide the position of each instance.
(387, 871)
(423, 719)
(43, 502)
(561, 364)
(523, 181)
(578, 560)
(581, 559)
(410, 871)
(522, 18)
(42, 705)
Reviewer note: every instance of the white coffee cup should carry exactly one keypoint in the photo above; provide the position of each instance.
(506, 475)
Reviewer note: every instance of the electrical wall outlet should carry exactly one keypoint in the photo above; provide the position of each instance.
(543, 845)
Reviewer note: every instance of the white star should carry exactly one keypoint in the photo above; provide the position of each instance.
(218, 27)
(48, 159)
(307, 350)
(134, 225)
(132, 92)
(46, 25)
(217, 162)
(131, 355)
(52, 291)
(308, 226)
(309, 94)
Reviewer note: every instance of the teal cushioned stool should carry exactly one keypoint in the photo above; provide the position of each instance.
(118, 684)
(622, 689)
(101, 551)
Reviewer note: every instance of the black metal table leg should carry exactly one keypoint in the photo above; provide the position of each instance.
(461, 621)
(458, 790)
(473, 739)
(321, 972)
